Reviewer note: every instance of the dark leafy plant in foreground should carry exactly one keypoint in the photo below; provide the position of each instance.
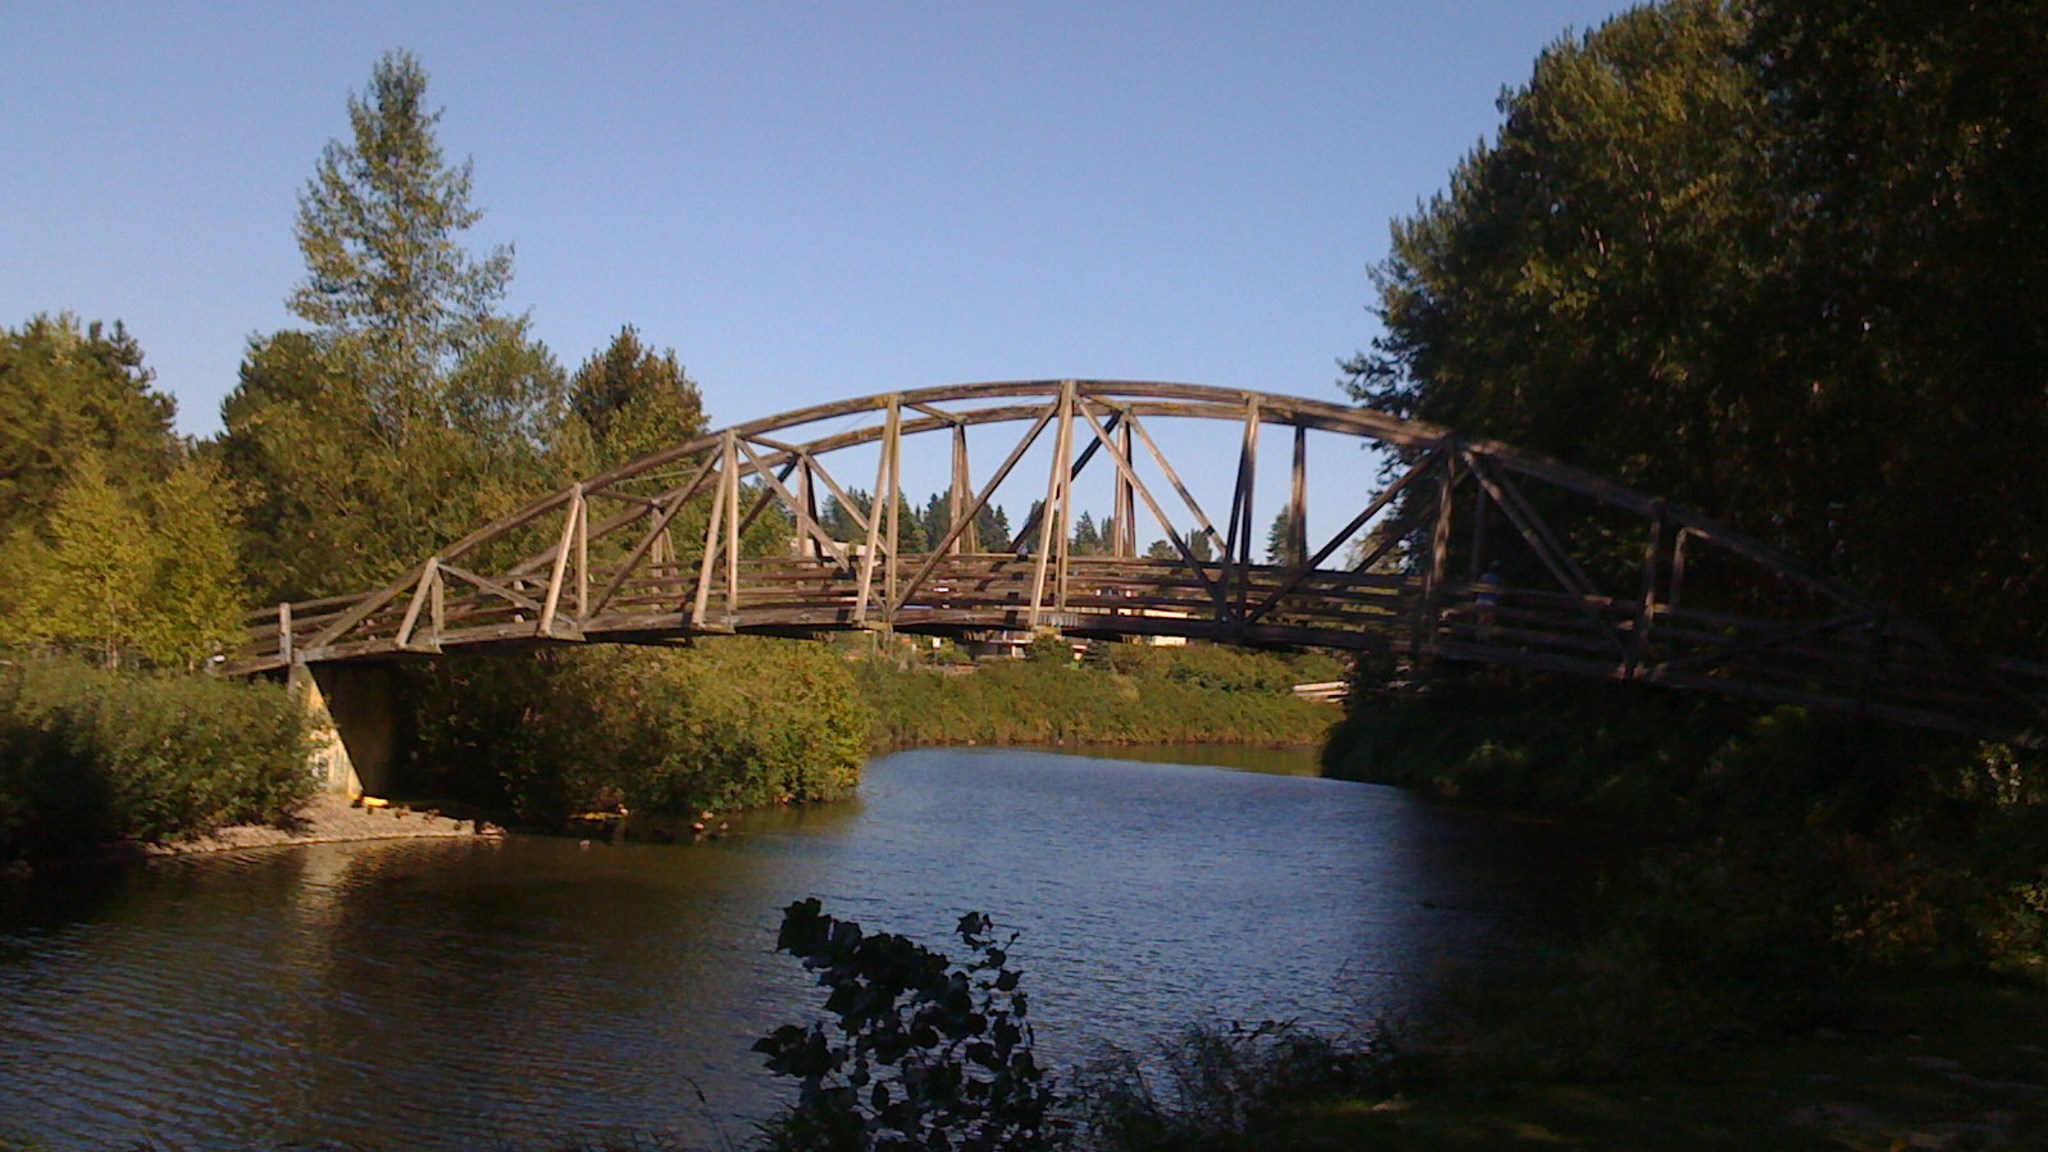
(922, 1053)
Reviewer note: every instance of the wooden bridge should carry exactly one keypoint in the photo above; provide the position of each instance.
(723, 533)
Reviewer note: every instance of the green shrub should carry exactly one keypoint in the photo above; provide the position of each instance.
(1124, 694)
(1213, 1083)
(89, 756)
(730, 722)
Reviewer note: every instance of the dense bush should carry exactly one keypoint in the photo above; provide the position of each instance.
(89, 756)
(1781, 855)
(1212, 1084)
(1122, 694)
(726, 723)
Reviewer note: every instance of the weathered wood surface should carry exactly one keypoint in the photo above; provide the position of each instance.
(615, 558)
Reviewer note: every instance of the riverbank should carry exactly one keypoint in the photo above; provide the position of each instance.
(331, 819)
(1925, 1065)
(1827, 934)
(91, 757)
(1119, 694)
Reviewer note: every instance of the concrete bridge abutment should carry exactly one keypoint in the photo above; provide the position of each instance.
(354, 713)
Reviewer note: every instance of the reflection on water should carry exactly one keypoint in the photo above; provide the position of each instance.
(442, 993)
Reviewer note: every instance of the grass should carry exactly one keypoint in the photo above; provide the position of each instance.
(1938, 1064)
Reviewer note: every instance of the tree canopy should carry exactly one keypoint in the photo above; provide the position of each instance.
(1772, 260)
(388, 282)
(413, 409)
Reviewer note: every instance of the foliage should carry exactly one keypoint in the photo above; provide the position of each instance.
(1776, 261)
(89, 756)
(388, 286)
(1126, 693)
(1213, 1084)
(1784, 851)
(112, 573)
(1284, 545)
(631, 401)
(194, 594)
(413, 411)
(726, 723)
(66, 393)
(1770, 260)
(930, 1055)
(90, 583)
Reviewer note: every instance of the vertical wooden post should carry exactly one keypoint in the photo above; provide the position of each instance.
(718, 511)
(284, 631)
(874, 537)
(1297, 500)
(1125, 543)
(1063, 534)
(1237, 543)
(582, 561)
(437, 610)
(561, 566)
(961, 498)
(807, 496)
(421, 592)
(1055, 477)
(1646, 611)
(1423, 638)
(893, 443)
(731, 465)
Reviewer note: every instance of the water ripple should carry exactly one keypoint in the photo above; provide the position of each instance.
(399, 995)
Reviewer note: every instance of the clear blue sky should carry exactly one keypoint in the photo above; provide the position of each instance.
(807, 201)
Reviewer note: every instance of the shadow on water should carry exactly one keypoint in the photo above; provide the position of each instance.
(400, 995)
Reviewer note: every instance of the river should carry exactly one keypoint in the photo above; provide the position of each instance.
(464, 993)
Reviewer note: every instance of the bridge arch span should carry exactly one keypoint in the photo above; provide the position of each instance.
(1451, 547)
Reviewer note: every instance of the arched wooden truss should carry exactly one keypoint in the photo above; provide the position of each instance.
(607, 562)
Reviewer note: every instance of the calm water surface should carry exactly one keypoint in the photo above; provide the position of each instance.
(452, 994)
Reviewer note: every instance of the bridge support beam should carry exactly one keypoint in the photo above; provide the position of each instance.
(354, 715)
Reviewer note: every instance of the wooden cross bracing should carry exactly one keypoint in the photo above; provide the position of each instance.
(679, 544)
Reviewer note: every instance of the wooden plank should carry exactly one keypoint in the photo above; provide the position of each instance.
(1297, 499)
(655, 536)
(429, 577)
(710, 556)
(1120, 459)
(731, 465)
(554, 599)
(874, 520)
(893, 450)
(803, 507)
(1237, 544)
(1295, 575)
(1172, 477)
(1061, 453)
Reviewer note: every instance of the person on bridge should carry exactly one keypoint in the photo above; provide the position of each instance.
(1487, 598)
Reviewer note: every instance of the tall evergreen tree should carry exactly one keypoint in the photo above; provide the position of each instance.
(412, 411)
(89, 585)
(388, 282)
(633, 401)
(67, 392)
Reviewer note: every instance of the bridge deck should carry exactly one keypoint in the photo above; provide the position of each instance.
(1841, 663)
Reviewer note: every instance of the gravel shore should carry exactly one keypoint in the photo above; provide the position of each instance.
(329, 819)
